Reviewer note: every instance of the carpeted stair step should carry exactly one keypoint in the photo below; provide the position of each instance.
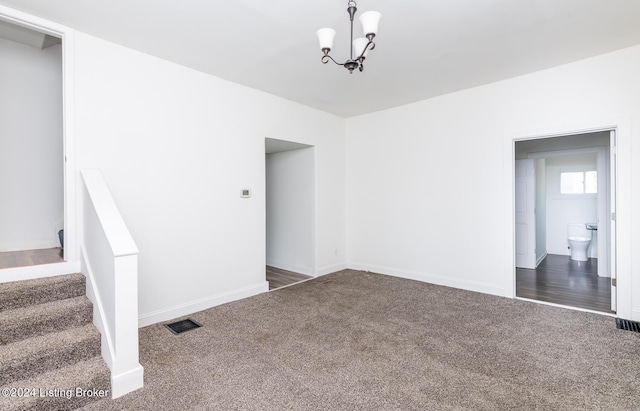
(42, 290)
(27, 322)
(27, 358)
(58, 389)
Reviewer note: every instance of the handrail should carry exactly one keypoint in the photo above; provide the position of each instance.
(110, 263)
(113, 225)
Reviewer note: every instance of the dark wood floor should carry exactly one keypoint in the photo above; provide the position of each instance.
(279, 278)
(26, 258)
(560, 280)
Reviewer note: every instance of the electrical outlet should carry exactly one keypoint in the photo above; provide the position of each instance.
(336, 252)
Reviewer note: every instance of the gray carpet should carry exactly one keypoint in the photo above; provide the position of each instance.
(355, 340)
(48, 343)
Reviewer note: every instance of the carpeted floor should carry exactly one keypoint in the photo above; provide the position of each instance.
(363, 341)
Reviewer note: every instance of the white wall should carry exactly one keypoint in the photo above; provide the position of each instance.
(290, 210)
(31, 168)
(430, 185)
(176, 146)
(564, 209)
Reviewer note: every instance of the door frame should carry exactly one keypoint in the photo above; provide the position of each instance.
(622, 191)
(71, 236)
(275, 146)
(612, 247)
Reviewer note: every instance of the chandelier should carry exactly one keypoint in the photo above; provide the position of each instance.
(361, 46)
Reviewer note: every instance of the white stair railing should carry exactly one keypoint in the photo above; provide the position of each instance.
(110, 263)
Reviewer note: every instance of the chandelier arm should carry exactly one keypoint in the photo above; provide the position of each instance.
(370, 43)
(325, 60)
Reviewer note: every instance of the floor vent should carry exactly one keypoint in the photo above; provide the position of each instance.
(627, 325)
(182, 326)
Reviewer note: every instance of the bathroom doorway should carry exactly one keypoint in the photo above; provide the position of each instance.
(290, 212)
(561, 182)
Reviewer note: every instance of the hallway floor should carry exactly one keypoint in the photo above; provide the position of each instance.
(279, 278)
(560, 280)
(27, 258)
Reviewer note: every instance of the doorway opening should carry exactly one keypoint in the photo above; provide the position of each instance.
(32, 147)
(290, 212)
(565, 234)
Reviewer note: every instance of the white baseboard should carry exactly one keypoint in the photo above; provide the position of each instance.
(127, 382)
(432, 279)
(308, 271)
(541, 258)
(291, 267)
(568, 253)
(635, 315)
(202, 304)
(331, 269)
(39, 271)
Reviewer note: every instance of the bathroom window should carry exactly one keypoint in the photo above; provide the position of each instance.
(581, 182)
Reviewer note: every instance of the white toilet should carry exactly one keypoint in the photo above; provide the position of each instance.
(579, 240)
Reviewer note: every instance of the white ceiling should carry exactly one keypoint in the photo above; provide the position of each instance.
(424, 48)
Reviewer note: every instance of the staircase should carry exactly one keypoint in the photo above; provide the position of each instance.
(49, 349)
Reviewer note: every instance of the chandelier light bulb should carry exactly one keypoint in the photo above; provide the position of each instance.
(359, 47)
(325, 37)
(369, 21)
